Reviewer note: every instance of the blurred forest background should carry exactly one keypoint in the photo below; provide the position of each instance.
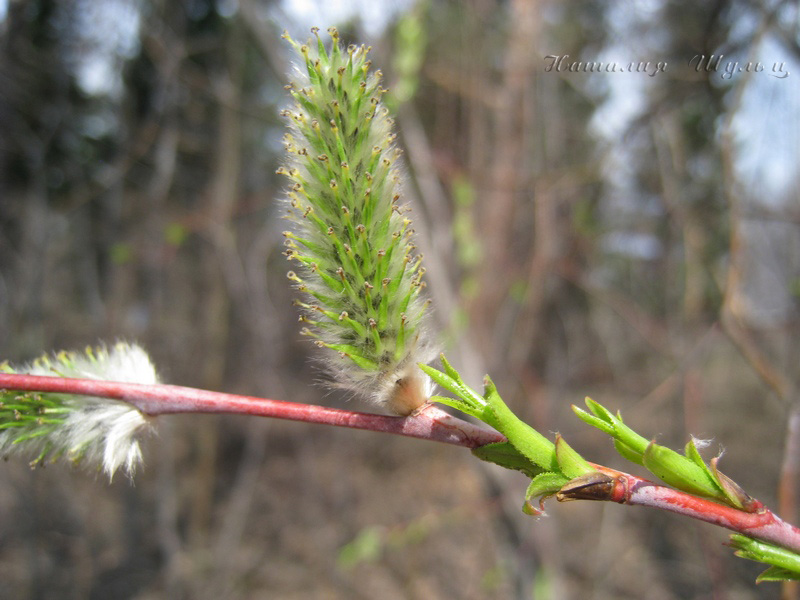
(631, 236)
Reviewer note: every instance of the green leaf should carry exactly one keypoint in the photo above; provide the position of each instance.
(458, 404)
(507, 456)
(525, 438)
(629, 437)
(785, 563)
(545, 484)
(599, 410)
(571, 463)
(777, 574)
(687, 472)
(451, 381)
(592, 420)
(676, 470)
(448, 368)
(613, 426)
(628, 453)
(693, 454)
(446, 381)
(527, 450)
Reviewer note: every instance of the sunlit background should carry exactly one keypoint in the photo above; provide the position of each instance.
(633, 236)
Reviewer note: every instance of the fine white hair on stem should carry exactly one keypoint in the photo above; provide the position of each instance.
(701, 443)
(88, 429)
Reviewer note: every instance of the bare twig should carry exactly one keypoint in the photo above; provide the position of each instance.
(615, 486)
(429, 422)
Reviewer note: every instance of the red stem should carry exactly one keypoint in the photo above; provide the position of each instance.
(430, 422)
(615, 486)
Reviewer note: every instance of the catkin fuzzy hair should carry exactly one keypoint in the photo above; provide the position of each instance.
(358, 269)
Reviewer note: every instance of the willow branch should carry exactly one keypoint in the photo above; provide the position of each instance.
(615, 486)
(429, 422)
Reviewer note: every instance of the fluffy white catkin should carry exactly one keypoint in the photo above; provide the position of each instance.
(86, 429)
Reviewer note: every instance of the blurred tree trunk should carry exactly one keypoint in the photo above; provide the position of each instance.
(506, 181)
(222, 278)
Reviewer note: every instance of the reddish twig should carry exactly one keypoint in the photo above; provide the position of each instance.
(429, 422)
(615, 486)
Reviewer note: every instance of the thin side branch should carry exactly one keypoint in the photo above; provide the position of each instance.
(615, 486)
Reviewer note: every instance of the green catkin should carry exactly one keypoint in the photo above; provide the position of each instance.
(351, 239)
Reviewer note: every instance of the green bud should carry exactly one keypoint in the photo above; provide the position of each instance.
(679, 471)
(687, 472)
